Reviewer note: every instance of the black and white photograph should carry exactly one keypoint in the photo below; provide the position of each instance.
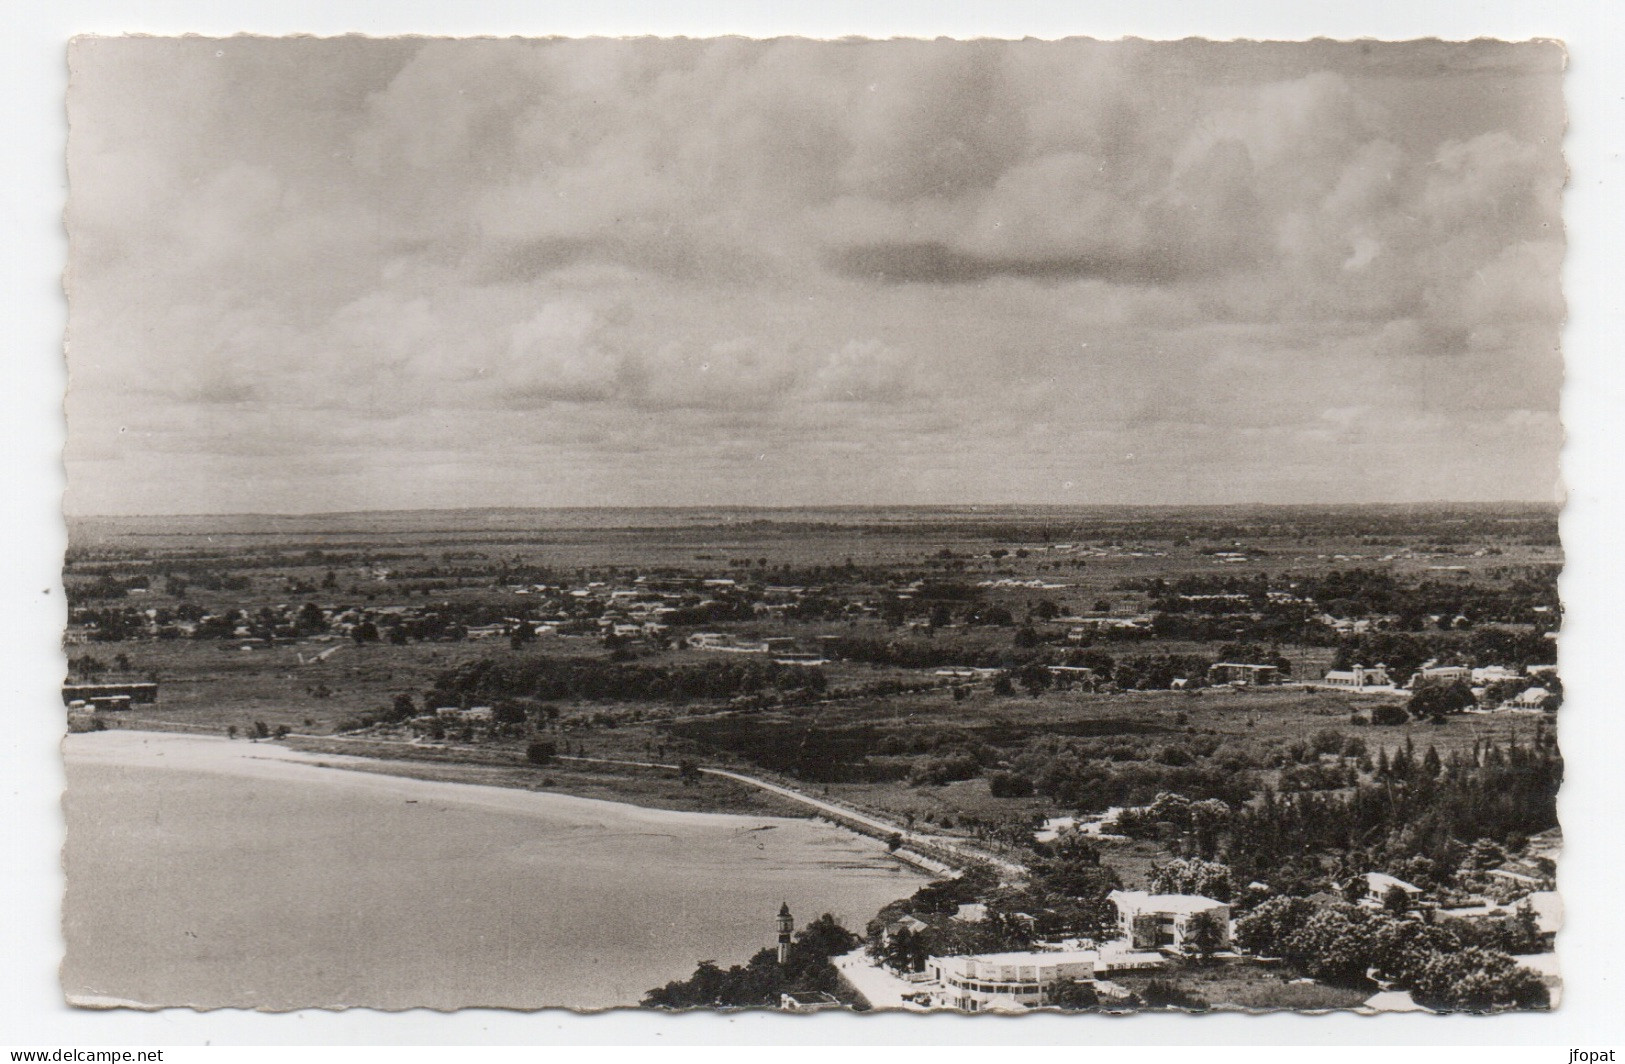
(1013, 526)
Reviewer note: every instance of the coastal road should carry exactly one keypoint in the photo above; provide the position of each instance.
(840, 812)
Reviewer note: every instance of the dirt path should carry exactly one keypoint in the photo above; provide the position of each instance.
(956, 847)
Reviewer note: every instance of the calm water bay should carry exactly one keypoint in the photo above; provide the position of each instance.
(208, 873)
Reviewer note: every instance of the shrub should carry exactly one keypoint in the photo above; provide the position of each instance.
(541, 751)
(1267, 928)
(1333, 944)
(1193, 876)
(1389, 715)
(956, 765)
(1167, 994)
(1071, 994)
(1009, 785)
(1436, 700)
(1479, 980)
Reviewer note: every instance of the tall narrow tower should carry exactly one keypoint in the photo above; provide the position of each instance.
(786, 924)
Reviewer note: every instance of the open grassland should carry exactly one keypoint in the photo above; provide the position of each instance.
(891, 736)
(1249, 986)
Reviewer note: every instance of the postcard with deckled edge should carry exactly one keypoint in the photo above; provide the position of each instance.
(988, 526)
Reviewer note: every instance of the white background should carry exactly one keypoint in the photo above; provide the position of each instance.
(1592, 808)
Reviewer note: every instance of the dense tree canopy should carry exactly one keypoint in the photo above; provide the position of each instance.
(761, 982)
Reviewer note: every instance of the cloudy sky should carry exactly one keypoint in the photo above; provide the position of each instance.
(337, 275)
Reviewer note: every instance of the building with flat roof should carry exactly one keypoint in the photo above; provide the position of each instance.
(1439, 676)
(120, 694)
(1245, 675)
(1160, 921)
(807, 1001)
(998, 982)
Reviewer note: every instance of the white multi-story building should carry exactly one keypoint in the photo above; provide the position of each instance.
(1440, 676)
(1155, 921)
(1005, 981)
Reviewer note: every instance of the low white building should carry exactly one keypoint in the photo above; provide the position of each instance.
(1360, 678)
(807, 1001)
(965, 672)
(1547, 906)
(995, 982)
(1379, 884)
(472, 715)
(1533, 698)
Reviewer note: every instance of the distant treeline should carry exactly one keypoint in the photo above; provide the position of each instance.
(597, 680)
(874, 752)
(1360, 593)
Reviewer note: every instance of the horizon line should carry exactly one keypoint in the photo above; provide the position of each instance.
(789, 508)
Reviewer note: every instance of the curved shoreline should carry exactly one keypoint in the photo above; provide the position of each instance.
(269, 760)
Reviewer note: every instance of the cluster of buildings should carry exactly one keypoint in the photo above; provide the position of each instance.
(108, 696)
(643, 607)
(1152, 931)
(1151, 928)
(1375, 679)
(1534, 680)
(1085, 629)
(781, 649)
(1481, 681)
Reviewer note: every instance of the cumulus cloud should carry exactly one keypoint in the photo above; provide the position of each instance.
(1024, 257)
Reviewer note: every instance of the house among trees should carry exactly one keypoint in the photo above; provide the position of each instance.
(1380, 887)
(1431, 675)
(910, 923)
(1158, 921)
(1532, 698)
(1242, 675)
